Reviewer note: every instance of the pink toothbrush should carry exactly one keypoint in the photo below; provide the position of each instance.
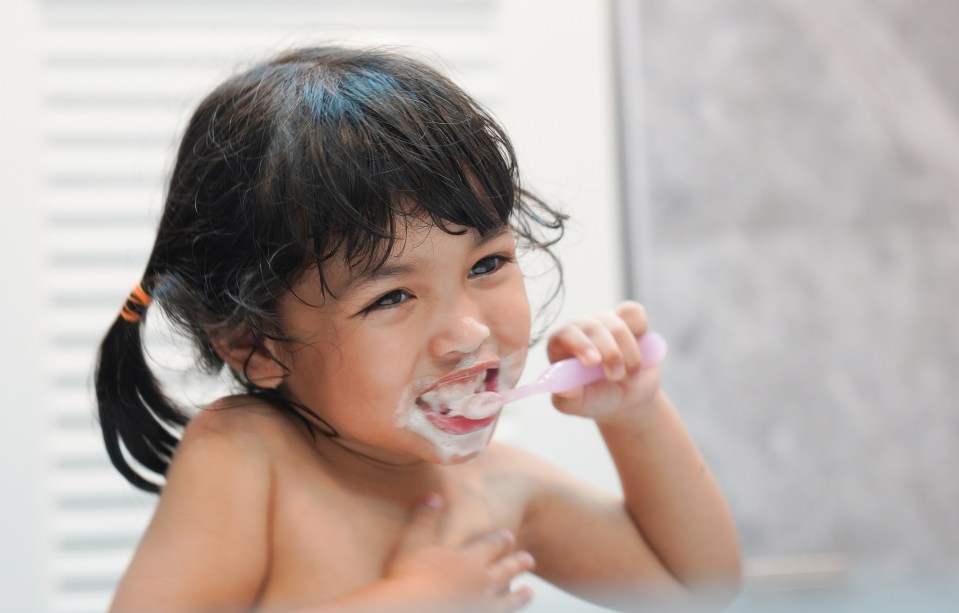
(562, 376)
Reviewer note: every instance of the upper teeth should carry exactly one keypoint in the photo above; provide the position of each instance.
(452, 396)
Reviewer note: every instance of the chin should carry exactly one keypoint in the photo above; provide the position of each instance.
(459, 459)
(449, 448)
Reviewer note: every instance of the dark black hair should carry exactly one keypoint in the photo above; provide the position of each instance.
(316, 154)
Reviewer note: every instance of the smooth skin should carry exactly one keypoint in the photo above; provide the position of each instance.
(261, 513)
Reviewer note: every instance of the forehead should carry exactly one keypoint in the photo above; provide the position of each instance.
(413, 246)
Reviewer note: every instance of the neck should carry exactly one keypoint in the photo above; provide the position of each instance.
(401, 479)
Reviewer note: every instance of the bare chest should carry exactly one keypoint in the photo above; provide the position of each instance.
(329, 539)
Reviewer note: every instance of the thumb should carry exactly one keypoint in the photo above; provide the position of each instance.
(423, 527)
(570, 402)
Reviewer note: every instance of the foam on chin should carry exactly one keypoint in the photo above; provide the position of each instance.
(452, 448)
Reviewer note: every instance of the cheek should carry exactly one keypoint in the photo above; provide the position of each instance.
(344, 370)
(382, 367)
(514, 319)
(512, 325)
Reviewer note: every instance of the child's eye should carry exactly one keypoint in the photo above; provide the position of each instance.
(488, 265)
(388, 300)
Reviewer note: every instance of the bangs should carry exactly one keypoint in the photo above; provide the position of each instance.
(368, 145)
(329, 152)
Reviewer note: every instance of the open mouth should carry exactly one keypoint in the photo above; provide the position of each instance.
(443, 405)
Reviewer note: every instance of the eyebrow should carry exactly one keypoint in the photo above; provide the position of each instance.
(391, 270)
(482, 240)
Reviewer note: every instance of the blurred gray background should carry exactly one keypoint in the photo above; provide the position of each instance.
(792, 172)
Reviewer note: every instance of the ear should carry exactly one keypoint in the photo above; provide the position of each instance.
(257, 361)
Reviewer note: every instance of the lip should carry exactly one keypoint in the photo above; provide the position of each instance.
(464, 375)
(458, 424)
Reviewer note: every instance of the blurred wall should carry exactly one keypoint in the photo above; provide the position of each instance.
(22, 560)
(97, 92)
(795, 173)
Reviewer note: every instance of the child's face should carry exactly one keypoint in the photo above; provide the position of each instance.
(387, 360)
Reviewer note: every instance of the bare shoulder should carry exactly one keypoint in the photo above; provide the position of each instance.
(214, 511)
(552, 498)
(224, 453)
(232, 447)
(226, 456)
(526, 480)
(544, 480)
(242, 421)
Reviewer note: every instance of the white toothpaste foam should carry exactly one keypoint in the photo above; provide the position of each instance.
(456, 447)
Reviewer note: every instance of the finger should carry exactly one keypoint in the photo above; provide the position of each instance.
(493, 545)
(572, 340)
(510, 567)
(601, 331)
(634, 314)
(570, 402)
(423, 527)
(516, 599)
(629, 355)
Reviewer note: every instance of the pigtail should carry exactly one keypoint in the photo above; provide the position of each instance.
(137, 420)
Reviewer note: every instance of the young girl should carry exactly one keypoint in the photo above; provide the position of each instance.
(341, 232)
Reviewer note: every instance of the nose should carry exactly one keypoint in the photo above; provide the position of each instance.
(459, 334)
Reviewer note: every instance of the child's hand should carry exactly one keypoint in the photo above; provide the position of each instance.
(474, 577)
(609, 339)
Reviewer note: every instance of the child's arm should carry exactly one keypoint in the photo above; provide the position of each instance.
(672, 535)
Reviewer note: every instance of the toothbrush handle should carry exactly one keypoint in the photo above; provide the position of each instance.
(570, 373)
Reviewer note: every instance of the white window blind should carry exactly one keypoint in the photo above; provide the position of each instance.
(118, 81)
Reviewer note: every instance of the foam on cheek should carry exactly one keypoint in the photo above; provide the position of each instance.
(510, 369)
(407, 404)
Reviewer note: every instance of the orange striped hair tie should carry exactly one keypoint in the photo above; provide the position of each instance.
(136, 304)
